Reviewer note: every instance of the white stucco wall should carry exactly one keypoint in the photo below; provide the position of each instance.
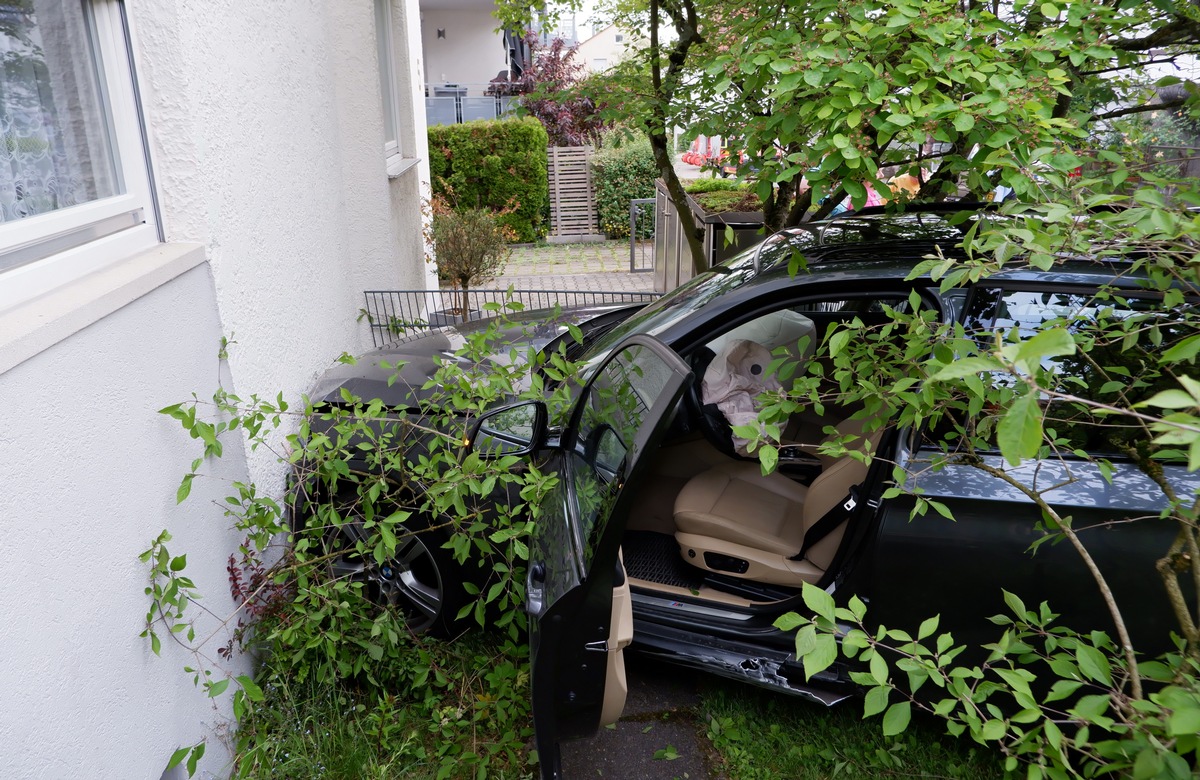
(89, 478)
(266, 139)
(472, 51)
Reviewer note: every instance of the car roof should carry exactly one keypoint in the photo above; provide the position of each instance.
(888, 245)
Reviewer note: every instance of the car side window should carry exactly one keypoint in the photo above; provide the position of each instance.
(611, 425)
(1124, 334)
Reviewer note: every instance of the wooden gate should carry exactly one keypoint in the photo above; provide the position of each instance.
(572, 198)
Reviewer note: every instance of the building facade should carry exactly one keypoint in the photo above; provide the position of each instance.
(171, 174)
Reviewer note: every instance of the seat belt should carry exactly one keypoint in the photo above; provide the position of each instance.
(837, 514)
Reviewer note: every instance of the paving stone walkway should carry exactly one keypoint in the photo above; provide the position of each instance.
(602, 266)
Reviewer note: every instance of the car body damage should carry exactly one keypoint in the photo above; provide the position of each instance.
(776, 670)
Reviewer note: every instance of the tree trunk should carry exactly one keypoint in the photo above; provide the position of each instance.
(656, 128)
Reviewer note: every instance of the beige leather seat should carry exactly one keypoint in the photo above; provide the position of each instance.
(734, 520)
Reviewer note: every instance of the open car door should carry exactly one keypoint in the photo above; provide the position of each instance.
(577, 628)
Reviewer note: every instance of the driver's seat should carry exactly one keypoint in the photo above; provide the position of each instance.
(733, 520)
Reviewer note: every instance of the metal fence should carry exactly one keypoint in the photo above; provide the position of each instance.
(641, 234)
(394, 313)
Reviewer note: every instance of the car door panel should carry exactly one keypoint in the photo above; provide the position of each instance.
(957, 568)
(620, 636)
(575, 632)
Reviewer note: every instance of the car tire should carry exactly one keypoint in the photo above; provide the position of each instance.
(422, 581)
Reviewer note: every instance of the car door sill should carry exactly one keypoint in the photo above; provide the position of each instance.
(759, 666)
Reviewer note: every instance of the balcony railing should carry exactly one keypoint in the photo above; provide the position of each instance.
(453, 103)
(393, 314)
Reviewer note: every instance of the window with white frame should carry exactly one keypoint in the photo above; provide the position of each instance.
(387, 83)
(75, 191)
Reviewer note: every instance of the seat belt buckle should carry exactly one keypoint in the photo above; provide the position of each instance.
(851, 500)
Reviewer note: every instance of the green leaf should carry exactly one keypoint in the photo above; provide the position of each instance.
(838, 342)
(822, 656)
(896, 719)
(820, 602)
(768, 456)
(1054, 342)
(178, 756)
(1015, 604)
(964, 368)
(1093, 664)
(185, 487)
(669, 753)
(1019, 434)
(789, 621)
(1170, 399)
(194, 759)
(217, 688)
(879, 669)
(1147, 765)
(993, 730)
(876, 701)
(253, 692)
(1184, 721)
(928, 626)
(1184, 350)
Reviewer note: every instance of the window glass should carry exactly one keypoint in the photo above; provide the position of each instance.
(75, 192)
(387, 75)
(614, 418)
(1124, 336)
(56, 147)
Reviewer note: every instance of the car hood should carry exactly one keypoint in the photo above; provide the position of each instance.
(415, 358)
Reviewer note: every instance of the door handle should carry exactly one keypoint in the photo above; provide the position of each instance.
(535, 600)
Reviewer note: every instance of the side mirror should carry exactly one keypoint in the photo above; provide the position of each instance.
(606, 451)
(510, 430)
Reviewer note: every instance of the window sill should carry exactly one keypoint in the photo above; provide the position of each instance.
(397, 165)
(39, 324)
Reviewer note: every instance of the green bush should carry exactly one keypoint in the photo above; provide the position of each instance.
(620, 175)
(499, 165)
(713, 185)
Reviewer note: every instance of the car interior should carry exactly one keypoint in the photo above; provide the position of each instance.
(710, 527)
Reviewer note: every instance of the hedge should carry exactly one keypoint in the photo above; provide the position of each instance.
(494, 164)
(621, 174)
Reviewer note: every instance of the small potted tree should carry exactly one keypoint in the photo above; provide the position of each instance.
(470, 247)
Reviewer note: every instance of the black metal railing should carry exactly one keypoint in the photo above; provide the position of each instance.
(394, 313)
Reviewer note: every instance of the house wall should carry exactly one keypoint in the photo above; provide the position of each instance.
(89, 477)
(266, 139)
(472, 51)
(601, 51)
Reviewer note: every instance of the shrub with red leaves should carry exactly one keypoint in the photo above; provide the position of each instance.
(549, 86)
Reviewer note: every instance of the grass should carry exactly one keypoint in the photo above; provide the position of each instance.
(457, 710)
(308, 730)
(759, 735)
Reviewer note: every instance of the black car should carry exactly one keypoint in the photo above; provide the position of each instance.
(666, 533)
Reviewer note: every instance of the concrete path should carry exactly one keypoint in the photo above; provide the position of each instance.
(661, 734)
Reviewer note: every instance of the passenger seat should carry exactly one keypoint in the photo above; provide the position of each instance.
(734, 520)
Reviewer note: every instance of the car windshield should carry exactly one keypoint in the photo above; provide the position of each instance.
(673, 307)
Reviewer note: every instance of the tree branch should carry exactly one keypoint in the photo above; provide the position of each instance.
(1166, 104)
